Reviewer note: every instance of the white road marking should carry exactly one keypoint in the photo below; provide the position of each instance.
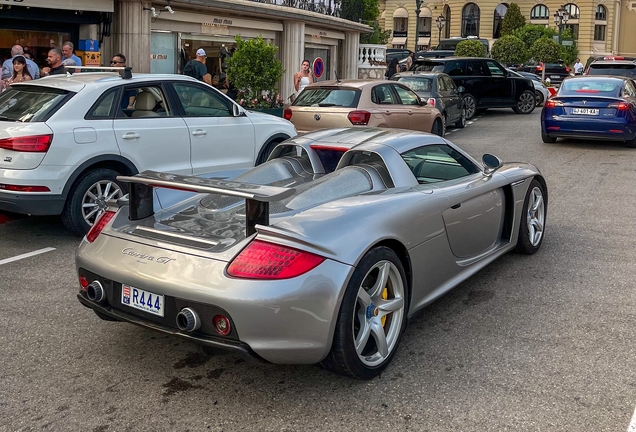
(470, 122)
(632, 424)
(26, 255)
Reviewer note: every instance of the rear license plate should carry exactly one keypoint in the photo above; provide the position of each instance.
(142, 300)
(555, 76)
(585, 111)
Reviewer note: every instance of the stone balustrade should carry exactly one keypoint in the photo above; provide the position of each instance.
(371, 61)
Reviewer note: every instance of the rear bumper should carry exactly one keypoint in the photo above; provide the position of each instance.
(38, 205)
(593, 129)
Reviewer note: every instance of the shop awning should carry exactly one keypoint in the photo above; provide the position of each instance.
(426, 13)
(78, 5)
(398, 41)
(424, 41)
(401, 13)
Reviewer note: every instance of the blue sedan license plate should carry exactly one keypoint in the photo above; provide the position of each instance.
(585, 111)
(142, 300)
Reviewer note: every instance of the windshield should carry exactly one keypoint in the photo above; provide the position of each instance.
(628, 70)
(599, 87)
(417, 84)
(30, 103)
(327, 97)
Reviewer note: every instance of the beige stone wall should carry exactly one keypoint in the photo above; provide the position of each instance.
(586, 44)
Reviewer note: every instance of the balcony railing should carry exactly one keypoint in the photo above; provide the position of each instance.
(325, 7)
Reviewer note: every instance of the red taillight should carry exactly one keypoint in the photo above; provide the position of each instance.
(587, 91)
(431, 102)
(553, 128)
(567, 69)
(19, 188)
(621, 106)
(539, 68)
(222, 325)
(359, 117)
(262, 260)
(32, 144)
(549, 104)
(287, 114)
(83, 282)
(328, 148)
(99, 225)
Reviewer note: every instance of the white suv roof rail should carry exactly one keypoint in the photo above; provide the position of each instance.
(124, 72)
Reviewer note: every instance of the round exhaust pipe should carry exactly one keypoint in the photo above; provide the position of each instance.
(95, 292)
(188, 320)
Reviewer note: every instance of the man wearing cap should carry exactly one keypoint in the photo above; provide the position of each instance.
(196, 67)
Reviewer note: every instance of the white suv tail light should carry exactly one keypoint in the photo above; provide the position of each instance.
(30, 144)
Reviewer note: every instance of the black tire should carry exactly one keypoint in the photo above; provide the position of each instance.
(262, 158)
(461, 123)
(533, 219)
(631, 143)
(547, 138)
(539, 97)
(73, 215)
(354, 318)
(470, 105)
(104, 316)
(438, 127)
(526, 103)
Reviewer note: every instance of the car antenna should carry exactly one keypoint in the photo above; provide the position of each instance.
(336, 74)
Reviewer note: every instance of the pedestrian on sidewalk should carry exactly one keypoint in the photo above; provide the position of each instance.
(68, 51)
(7, 66)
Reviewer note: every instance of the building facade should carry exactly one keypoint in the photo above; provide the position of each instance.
(602, 27)
(161, 36)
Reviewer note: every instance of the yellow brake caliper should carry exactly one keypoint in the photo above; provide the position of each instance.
(385, 296)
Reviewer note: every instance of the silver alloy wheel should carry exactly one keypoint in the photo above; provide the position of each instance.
(539, 97)
(469, 106)
(536, 216)
(95, 200)
(463, 117)
(443, 125)
(527, 102)
(379, 312)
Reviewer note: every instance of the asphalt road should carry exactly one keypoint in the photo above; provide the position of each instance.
(531, 343)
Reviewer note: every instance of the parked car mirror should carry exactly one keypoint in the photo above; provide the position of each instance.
(236, 111)
(461, 89)
(423, 100)
(491, 163)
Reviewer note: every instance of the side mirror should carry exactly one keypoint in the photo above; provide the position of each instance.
(423, 101)
(491, 163)
(236, 111)
(461, 89)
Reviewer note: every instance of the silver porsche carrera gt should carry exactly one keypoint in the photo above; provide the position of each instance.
(319, 255)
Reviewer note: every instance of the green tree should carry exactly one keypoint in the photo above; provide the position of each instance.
(366, 11)
(255, 72)
(545, 50)
(470, 48)
(379, 36)
(513, 20)
(569, 53)
(530, 33)
(509, 50)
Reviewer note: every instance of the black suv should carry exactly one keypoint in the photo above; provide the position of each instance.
(487, 84)
(555, 73)
(613, 67)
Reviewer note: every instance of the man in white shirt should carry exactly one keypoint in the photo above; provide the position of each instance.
(578, 67)
(7, 66)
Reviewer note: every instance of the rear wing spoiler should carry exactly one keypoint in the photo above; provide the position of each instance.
(257, 197)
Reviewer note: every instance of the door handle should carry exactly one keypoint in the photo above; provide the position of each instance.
(199, 132)
(410, 112)
(456, 206)
(130, 136)
(387, 112)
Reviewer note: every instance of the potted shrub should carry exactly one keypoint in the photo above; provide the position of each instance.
(255, 72)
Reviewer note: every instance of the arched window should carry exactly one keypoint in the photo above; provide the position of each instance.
(601, 13)
(470, 20)
(600, 23)
(540, 12)
(447, 20)
(400, 28)
(573, 10)
(500, 12)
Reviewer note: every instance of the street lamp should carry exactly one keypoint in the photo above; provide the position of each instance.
(418, 5)
(440, 21)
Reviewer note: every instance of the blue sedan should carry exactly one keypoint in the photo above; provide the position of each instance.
(592, 107)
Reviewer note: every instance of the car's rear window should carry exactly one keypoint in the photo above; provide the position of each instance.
(329, 156)
(428, 67)
(328, 97)
(417, 84)
(555, 65)
(30, 103)
(613, 69)
(600, 87)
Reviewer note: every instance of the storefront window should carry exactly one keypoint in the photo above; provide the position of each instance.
(217, 54)
(35, 43)
(163, 53)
